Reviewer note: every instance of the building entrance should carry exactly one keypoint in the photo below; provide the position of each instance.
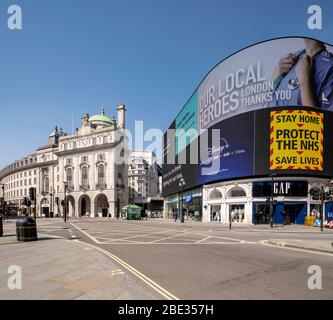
(283, 213)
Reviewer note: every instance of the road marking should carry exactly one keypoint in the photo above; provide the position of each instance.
(204, 239)
(87, 234)
(277, 246)
(180, 233)
(166, 238)
(166, 294)
(117, 272)
(179, 243)
(143, 235)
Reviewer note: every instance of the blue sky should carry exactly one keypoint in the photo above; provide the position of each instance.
(75, 56)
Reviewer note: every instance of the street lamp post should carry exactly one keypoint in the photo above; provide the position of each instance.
(52, 202)
(322, 198)
(271, 206)
(3, 198)
(65, 206)
(181, 185)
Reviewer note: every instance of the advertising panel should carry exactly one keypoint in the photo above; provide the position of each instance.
(297, 140)
(230, 154)
(268, 74)
(259, 100)
(187, 124)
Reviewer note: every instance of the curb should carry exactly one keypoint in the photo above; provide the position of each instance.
(283, 244)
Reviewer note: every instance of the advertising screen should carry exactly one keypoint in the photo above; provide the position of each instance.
(252, 116)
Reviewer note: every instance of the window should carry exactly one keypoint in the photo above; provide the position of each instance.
(101, 176)
(85, 180)
(65, 146)
(94, 141)
(101, 157)
(69, 175)
(105, 139)
(84, 159)
(46, 184)
(74, 145)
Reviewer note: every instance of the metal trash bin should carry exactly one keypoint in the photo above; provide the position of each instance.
(1, 227)
(26, 230)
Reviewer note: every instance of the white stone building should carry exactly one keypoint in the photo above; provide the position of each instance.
(90, 164)
(144, 179)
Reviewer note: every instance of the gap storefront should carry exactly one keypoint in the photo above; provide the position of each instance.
(248, 201)
(290, 201)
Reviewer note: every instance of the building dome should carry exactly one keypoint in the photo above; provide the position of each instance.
(101, 120)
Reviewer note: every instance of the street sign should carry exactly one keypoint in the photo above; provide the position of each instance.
(189, 199)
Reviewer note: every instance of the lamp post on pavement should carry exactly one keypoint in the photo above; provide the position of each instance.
(52, 202)
(65, 206)
(181, 186)
(3, 198)
(271, 206)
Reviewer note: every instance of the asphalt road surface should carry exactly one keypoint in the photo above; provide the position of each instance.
(200, 261)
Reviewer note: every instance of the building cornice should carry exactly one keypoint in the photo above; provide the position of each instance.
(88, 135)
(63, 153)
(35, 165)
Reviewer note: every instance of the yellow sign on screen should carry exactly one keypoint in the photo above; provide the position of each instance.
(296, 140)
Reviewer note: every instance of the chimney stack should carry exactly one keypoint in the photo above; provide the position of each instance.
(121, 116)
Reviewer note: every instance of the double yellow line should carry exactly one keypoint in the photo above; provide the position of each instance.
(166, 294)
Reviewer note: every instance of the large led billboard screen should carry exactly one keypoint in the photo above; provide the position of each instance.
(239, 99)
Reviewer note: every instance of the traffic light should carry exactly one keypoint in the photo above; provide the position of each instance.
(1, 202)
(32, 194)
(56, 200)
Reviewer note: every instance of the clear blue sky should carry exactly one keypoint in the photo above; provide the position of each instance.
(74, 56)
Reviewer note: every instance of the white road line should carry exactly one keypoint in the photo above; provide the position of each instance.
(166, 294)
(143, 235)
(204, 239)
(162, 239)
(180, 243)
(87, 234)
(264, 242)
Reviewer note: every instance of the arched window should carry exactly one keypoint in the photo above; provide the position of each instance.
(236, 192)
(85, 179)
(46, 184)
(101, 176)
(105, 139)
(69, 175)
(215, 194)
(94, 141)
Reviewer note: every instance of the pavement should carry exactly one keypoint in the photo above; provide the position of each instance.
(157, 259)
(56, 268)
(311, 245)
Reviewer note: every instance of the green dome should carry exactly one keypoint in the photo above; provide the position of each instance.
(101, 120)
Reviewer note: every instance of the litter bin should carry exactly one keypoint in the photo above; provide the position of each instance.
(1, 227)
(26, 230)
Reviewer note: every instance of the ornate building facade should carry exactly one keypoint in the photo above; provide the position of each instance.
(89, 168)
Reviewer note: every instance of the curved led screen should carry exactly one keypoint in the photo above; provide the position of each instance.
(247, 118)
